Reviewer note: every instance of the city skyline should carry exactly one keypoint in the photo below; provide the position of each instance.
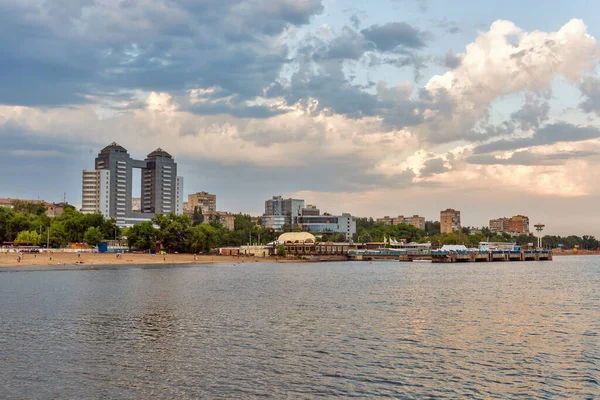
(371, 110)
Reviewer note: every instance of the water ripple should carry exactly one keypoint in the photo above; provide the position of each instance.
(351, 330)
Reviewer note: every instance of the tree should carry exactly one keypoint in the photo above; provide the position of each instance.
(197, 217)
(196, 240)
(432, 228)
(366, 238)
(281, 252)
(93, 236)
(141, 236)
(29, 237)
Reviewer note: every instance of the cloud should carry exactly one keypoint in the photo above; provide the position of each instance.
(504, 61)
(433, 167)
(452, 60)
(533, 113)
(590, 87)
(547, 135)
(526, 157)
(59, 52)
(392, 35)
(447, 26)
(355, 21)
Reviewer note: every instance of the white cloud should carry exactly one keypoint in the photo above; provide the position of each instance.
(507, 60)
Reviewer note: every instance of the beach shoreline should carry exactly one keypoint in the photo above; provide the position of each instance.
(67, 258)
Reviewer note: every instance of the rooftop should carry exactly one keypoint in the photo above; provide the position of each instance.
(159, 153)
(113, 147)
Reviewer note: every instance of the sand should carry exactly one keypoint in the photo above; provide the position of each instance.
(10, 259)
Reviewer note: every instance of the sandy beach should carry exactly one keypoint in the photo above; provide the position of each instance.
(10, 259)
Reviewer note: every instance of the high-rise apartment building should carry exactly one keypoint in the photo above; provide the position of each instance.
(280, 211)
(499, 225)
(416, 221)
(95, 195)
(206, 201)
(161, 189)
(519, 224)
(449, 221)
(159, 185)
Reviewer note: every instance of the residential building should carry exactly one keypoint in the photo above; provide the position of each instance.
(10, 203)
(289, 209)
(344, 223)
(52, 209)
(415, 220)
(206, 201)
(311, 210)
(500, 225)
(179, 195)
(160, 186)
(387, 220)
(96, 194)
(449, 221)
(519, 224)
(224, 218)
(55, 209)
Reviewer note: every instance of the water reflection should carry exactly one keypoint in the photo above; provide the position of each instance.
(351, 329)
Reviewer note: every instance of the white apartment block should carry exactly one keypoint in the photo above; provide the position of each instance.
(96, 192)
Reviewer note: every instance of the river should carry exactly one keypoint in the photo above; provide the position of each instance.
(402, 330)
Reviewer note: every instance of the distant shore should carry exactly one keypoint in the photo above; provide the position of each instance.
(59, 258)
(575, 253)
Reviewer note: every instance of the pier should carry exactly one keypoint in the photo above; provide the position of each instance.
(438, 256)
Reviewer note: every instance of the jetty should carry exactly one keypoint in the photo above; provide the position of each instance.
(451, 256)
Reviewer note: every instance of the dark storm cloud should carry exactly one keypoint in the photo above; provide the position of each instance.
(392, 35)
(547, 135)
(60, 51)
(529, 159)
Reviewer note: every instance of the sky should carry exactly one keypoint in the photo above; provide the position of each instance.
(376, 108)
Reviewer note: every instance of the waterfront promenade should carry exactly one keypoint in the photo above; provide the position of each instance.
(69, 258)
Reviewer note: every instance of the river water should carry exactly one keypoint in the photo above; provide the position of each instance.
(402, 330)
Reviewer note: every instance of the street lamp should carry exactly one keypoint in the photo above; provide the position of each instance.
(539, 228)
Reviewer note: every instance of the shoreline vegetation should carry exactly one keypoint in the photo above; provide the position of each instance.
(183, 234)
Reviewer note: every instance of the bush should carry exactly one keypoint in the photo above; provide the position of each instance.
(281, 252)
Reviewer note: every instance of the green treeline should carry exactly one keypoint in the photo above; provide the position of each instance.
(181, 233)
(368, 230)
(29, 223)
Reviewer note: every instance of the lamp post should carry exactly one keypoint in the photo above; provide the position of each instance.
(539, 228)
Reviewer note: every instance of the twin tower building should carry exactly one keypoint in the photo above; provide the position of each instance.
(108, 188)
